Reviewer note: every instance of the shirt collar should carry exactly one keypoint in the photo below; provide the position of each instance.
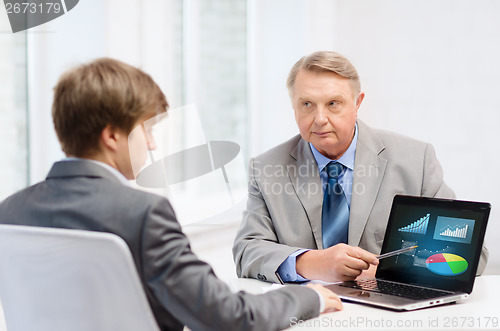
(106, 166)
(347, 160)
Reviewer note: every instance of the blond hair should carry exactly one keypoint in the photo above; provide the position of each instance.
(325, 61)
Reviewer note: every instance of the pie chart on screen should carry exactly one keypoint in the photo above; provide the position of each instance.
(446, 264)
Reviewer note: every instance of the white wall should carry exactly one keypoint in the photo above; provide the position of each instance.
(429, 70)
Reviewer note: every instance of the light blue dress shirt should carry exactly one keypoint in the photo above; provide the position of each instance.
(287, 270)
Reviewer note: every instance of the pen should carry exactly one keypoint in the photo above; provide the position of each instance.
(396, 252)
(279, 278)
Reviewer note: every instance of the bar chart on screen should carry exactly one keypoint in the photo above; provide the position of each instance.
(459, 232)
(419, 226)
(454, 229)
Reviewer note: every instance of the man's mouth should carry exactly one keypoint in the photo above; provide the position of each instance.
(322, 133)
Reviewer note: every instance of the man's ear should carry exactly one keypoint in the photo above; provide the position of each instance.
(110, 137)
(359, 100)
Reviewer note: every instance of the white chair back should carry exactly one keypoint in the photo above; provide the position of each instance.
(60, 279)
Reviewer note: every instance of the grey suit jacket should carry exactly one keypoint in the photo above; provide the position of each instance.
(181, 289)
(285, 197)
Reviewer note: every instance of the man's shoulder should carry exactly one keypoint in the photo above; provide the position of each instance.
(18, 196)
(141, 195)
(389, 139)
(280, 153)
(96, 177)
(132, 196)
(113, 191)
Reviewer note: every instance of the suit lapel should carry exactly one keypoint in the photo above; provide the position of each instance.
(369, 169)
(304, 175)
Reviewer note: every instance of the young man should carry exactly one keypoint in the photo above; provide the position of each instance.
(96, 106)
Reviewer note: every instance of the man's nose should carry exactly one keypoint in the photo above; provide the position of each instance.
(320, 117)
(150, 139)
(151, 142)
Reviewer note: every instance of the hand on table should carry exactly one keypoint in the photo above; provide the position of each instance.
(332, 301)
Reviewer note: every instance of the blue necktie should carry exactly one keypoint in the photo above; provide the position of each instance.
(335, 215)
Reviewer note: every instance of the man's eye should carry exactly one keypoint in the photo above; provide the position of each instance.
(332, 103)
(307, 104)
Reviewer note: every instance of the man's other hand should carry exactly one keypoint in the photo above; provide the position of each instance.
(337, 263)
(332, 301)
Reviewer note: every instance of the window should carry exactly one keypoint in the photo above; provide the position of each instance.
(207, 122)
(13, 109)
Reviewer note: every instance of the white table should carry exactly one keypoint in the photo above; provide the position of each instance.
(481, 310)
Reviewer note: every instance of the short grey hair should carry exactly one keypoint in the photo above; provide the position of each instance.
(325, 61)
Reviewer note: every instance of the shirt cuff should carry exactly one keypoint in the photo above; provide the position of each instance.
(287, 269)
(321, 302)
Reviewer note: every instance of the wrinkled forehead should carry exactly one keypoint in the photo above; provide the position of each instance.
(315, 84)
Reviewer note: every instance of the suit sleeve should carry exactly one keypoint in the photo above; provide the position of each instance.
(189, 290)
(434, 186)
(257, 252)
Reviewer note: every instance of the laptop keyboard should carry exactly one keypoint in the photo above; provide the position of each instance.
(397, 289)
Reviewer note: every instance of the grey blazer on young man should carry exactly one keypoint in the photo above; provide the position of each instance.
(285, 197)
(181, 289)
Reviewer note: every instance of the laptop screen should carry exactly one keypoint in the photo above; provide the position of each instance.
(449, 235)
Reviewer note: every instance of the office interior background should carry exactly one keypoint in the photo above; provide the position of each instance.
(429, 70)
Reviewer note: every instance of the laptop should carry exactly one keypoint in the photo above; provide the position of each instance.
(449, 237)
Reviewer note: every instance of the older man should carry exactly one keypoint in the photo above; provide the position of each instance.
(96, 106)
(318, 204)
